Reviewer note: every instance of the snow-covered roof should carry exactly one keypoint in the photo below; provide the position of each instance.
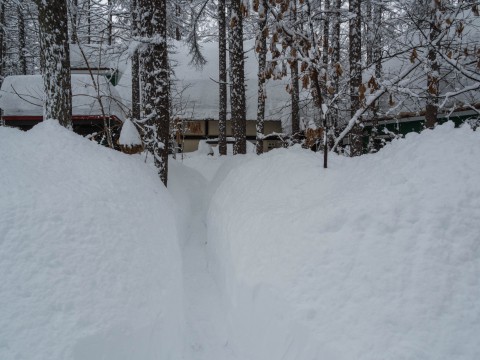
(94, 56)
(22, 95)
(201, 89)
(196, 90)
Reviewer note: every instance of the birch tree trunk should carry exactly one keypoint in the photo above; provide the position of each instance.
(155, 79)
(53, 27)
(222, 77)
(238, 79)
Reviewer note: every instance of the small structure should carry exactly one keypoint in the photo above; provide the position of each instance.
(129, 140)
(195, 99)
(190, 133)
(21, 99)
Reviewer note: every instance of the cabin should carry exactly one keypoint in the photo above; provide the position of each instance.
(95, 100)
(190, 133)
(195, 96)
(21, 101)
(195, 99)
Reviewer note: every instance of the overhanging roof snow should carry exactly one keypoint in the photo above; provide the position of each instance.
(22, 95)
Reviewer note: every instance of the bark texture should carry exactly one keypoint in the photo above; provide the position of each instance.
(135, 65)
(261, 48)
(295, 88)
(155, 79)
(336, 26)
(222, 77)
(431, 108)
(22, 42)
(238, 79)
(74, 21)
(53, 26)
(355, 58)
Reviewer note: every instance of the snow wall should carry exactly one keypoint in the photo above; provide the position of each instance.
(89, 258)
(377, 257)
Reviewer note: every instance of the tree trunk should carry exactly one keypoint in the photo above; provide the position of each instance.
(238, 79)
(53, 26)
(325, 58)
(335, 61)
(110, 23)
(261, 48)
(22, 42)
(325, 46)
(222, 77)
(431, 108)
(89, 21)
(377, 51)
(295, 88)
(355, 57)
(74, 21)
(155, 78)
(2, 42)
(370, 38)
(178, 16)
(135, 65)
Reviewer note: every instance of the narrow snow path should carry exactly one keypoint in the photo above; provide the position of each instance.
(206, 337)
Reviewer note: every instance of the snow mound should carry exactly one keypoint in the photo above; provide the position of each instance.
(129, 135)
(89, 253)
(377, 257)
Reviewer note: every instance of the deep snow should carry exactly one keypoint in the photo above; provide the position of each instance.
(244, 257)
(89, 259)
(377, 257)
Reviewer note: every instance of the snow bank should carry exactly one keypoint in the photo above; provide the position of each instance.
(89, 256)
(376, 258)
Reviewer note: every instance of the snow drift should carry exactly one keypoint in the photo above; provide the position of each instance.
(89, 256)
(377, 257)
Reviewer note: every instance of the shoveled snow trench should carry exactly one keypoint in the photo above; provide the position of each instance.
(241, 258)
(206, 313)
